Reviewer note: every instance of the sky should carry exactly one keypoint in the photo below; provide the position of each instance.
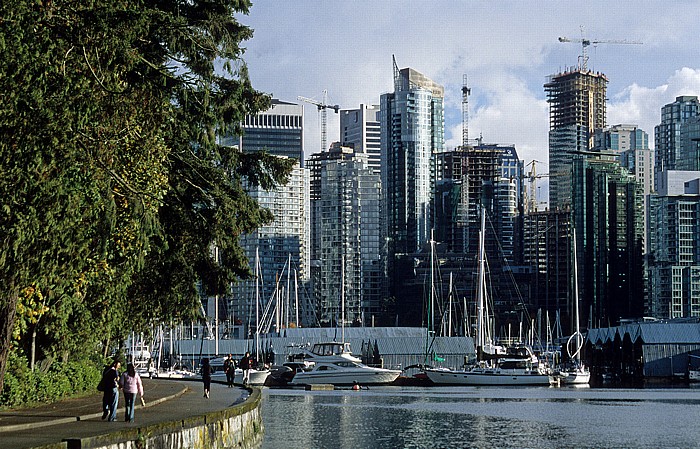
(507, 49)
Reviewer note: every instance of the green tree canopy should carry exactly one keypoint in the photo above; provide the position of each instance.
(114, 191)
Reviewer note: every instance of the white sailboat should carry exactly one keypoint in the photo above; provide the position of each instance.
(256, 375)
(495, 365)
(577, 373)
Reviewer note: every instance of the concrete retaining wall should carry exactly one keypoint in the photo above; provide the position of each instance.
(239, 426)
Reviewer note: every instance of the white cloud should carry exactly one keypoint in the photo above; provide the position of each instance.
(641, 106)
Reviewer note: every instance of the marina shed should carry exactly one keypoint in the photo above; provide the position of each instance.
(396, 347)
(646, 349)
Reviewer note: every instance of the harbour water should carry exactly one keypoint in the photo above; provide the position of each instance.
(465, 417)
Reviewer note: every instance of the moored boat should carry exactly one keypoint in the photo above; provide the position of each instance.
(334, 364)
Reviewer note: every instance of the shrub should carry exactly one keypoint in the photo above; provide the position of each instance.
(24, 387)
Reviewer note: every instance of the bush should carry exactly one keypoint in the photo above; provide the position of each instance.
(24, 387)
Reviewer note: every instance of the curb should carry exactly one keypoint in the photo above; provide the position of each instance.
(53, 422)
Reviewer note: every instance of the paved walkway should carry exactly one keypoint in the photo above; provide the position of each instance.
(166, 400)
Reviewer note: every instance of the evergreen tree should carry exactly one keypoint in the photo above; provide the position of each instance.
(113, 189)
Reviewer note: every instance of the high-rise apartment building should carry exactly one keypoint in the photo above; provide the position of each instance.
(279, 130)
(283, 245)
(547, 250)
(674, 274)
(608, 218)
(412, 133)
(359, 129)
(576, 108)
(632, 145)
(690, 145)
(347, 254)
(667, 135)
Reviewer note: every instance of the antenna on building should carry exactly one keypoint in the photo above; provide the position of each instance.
(466, 91)
(397, 75)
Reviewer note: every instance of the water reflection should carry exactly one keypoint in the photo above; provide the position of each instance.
(481, 417)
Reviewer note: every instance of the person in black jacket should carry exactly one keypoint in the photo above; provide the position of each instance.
(206, 376)
(246, 364)
(110, 397)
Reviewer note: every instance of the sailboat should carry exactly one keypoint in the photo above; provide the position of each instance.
(259, 374)
(496, 365)
(577, 373)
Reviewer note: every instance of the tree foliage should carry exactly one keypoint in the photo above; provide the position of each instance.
(114, 191)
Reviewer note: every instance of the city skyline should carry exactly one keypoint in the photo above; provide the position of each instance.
(508, 50)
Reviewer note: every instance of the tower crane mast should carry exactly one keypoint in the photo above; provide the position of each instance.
(323, 110)
(587, 42)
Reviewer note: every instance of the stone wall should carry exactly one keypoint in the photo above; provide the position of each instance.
(239, 426)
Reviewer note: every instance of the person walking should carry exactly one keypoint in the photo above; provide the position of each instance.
(206, 376)
(230, 369)
(110, 397)
(246, 364)
(131, 384)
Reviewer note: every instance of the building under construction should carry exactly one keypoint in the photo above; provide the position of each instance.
(576, 100)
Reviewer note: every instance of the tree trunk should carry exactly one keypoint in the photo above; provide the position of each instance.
(8, 310)
(32, 360)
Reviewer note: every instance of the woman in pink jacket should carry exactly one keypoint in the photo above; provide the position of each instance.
(131, 384)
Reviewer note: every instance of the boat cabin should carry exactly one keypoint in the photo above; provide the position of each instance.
(332, 348)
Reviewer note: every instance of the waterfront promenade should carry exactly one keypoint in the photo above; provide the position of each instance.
(166, 401)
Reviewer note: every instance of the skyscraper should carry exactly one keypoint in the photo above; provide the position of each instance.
(412, 132)
(667, 134)
(283, 245)
(608, 217)
(632, 145)
(675, 247)
(576, 108)
(347, 257)
(359, 129)
(279, 130)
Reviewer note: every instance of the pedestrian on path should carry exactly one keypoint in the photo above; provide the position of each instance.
(230, 369)
(206, 376)
(131, 384)
(110, 397)
(246, 364)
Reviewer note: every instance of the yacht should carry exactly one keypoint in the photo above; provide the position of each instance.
(334, 364)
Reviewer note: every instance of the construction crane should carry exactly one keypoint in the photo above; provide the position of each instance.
(323, 110)
(532, 176)
(466, 91)
(583, 63)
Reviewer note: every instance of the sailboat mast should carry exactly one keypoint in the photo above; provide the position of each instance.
(480, 288)
(576, 317)
(257, 301)
(342, 299)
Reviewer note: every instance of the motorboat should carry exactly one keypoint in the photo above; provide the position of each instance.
(334, 364)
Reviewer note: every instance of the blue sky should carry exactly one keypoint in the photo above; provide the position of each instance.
(506, 48)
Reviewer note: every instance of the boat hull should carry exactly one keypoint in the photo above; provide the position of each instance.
(255, 377)
(486, 377)
(576, 378)
(361, 377)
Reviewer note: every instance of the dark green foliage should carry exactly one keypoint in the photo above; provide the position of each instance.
(113, 188)
(24, 387)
